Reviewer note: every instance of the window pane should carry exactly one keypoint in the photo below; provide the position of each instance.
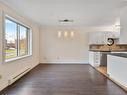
(10, 39)
(23, 41)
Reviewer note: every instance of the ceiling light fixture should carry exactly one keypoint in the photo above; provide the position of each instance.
(69, 34)
(66, 20)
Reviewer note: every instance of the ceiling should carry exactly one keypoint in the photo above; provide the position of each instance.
(84, 12)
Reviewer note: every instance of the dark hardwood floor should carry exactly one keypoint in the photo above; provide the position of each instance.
(64, 80)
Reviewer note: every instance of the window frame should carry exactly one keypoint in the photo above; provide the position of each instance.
(29, 39)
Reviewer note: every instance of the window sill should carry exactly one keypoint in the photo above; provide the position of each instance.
(17, 58)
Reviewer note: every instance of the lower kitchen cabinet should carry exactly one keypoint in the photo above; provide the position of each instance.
(94, 58)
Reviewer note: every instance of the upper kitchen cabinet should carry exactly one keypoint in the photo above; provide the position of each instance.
(123, 26)
(101, 37)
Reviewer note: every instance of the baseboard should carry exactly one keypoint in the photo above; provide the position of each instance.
(7, 85)
(74, 62)
(4, 86)
(66, 63)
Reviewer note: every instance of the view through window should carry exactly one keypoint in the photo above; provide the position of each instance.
(16, 39)
(23, 41)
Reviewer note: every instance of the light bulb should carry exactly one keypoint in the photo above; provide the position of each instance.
(59, 34)
(65, 34)
(72, 33)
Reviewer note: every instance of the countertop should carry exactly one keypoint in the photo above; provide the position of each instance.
(115, 53)
(113, 48)
(118, 54)
(104, 44)
(99, 50)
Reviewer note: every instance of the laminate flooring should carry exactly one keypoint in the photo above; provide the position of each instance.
(63, 80)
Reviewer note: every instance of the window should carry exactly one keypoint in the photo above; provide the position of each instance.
(17, 40)
(10, 39)
(23, 40)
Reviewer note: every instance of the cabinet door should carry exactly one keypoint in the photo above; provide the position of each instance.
(91, 58)
(101, 37)
(97, 38)
(91, 38)
(96, 59)
(94, 38)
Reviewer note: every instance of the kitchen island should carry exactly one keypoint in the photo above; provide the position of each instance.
(115, 58)
(117, 68)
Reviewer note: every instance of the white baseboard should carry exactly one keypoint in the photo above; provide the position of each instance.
(53, 62)
(6, 84)
(3, 86)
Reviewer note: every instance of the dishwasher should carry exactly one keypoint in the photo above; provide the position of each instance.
(103, 59)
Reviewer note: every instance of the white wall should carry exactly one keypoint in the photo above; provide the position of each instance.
(65, 50)
(7, 70)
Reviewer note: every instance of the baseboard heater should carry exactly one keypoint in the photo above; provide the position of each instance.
(12, 80)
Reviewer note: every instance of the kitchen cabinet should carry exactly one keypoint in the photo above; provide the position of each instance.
(94, 58)
(117, 69)
(123, 26)
(95, 38)
(101, 37)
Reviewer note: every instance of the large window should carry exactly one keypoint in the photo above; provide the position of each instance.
(17, 40)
